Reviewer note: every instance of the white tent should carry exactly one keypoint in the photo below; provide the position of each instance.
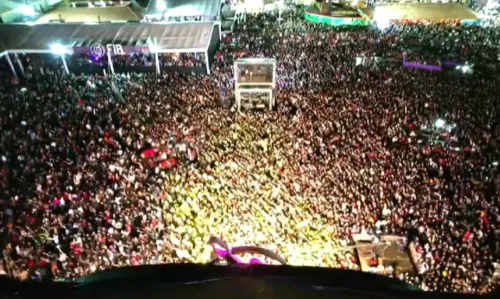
(194, 37)
(183, 8)
(172, 37)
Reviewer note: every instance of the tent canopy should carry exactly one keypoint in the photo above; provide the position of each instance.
(8, 5)
(172, 36)
(184, 8)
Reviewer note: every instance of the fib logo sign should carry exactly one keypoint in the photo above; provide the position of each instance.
(100, 50)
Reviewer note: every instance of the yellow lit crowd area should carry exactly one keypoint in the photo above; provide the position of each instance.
(248, 200)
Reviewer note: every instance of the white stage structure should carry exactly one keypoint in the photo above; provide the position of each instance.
(111, 39)
(255, 83)
(165, 9)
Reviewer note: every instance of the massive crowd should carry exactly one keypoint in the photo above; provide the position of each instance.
(99, 172)
(183, 60)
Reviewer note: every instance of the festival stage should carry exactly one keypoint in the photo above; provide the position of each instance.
(338, 16)
(434, 12)
(341, 15)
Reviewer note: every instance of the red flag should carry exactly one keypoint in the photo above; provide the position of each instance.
(30, 263)
(169, 163)
(467, 236)
(484, 218)
(149, 153)
(373, 261)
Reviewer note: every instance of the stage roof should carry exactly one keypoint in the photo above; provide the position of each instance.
(90, 14)
(8, 5)
(420, 11)
(173, 36)
(185, 8)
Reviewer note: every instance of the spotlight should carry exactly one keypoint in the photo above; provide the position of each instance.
(154, 48)
(27, 10)
(58, 49)
(161, 5)
(439, 123)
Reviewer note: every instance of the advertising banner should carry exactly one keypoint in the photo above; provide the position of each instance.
(101, 50)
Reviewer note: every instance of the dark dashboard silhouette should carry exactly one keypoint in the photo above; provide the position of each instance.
(228, 281)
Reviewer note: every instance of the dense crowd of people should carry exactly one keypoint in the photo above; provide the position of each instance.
(100, 172)
(182, 60)
(134, 59)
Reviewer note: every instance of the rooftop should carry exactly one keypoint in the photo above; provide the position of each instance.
(90, 14)
(184, 8)
(168, 37)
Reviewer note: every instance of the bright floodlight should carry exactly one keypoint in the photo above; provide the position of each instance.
(383, 16)
(383, 23)
(161, 5)
(58, 49)
(154, 48)
(439, 123)
(27, 10)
